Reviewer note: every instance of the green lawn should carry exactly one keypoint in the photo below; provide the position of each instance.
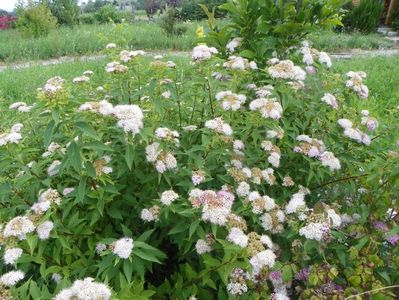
(89, 39)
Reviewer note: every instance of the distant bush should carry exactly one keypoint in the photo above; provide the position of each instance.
(6, 22)
(35, 20)
(87, 18)
(364, 16)
(169, 23)
(191, 9)
(108, 13)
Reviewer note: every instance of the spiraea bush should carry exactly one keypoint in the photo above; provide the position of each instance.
(213, 180)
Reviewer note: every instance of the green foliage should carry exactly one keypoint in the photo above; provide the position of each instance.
(163, 263)
(364, 17)
(87, 18)
(168, 23)
(35, 20)
(108, 13)
(191, 9)
(267, 26)
(66, 11)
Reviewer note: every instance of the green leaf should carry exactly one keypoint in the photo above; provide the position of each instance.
(48, 134)
(81, 189)
(145, 255)
(129, 155)
(87, 129)
(74, 157)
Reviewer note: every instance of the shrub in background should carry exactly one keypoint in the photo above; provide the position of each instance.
(191, 9)
(87, 18)
(364, 16)
(108, 13)
(268, 26)
(66, 11)
(35, 20)
(169, 22)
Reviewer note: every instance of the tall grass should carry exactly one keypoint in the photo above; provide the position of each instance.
(333, 41)
(87, 39)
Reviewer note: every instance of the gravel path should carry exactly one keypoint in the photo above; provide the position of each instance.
(66, 59)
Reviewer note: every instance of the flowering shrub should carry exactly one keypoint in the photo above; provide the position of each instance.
(6, 22)
(218, 180)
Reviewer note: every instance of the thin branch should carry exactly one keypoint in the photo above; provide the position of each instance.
(338, 180)
(372, 291)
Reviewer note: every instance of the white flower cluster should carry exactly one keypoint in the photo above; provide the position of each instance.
(18, 227)
(238, 237)
(310, 54)
(46, 198)
(354, 133)
(86, 289)
(130, 118)
(355, 83)
(202, 246)
(297, 203)
(197, 177)
(116, 68)
(54, 168)
(286, 69)
(122, 247)
(52, 148)
(12, 137)
(238, 282)
(150, 214)
(126, 56)
(219, 126)
(273, 221)
(260, 203)
(330, 100)
(239, 63)
(268, 107)
(230, 100)
(168, 197)
(314, 231)
(233, 44)
(21, 107)
(81, 79)
(163, 159)
(44, 229)
(11, 278)
(368, 121)
(315, 148)
(11, 255)
(274, 153)
(262, 259)
(203, 52)
(166, 134)
(216, 206)
(53, 85)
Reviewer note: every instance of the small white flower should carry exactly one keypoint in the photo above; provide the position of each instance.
(11, 278)
(168, 197)
(123, 247)
(202, 247)
(11, 255)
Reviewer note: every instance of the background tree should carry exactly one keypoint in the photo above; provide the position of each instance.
(66, 11)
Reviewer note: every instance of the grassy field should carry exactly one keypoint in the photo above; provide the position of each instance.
(89, 39)
(331, 41)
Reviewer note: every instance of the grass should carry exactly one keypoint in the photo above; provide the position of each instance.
(89, 39)
(332, 41)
